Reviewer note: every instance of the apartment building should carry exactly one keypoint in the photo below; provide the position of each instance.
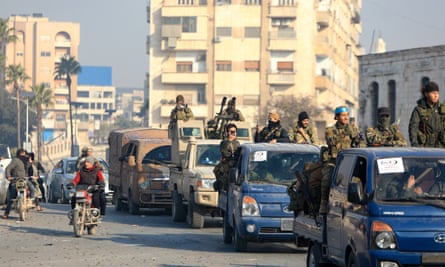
(253, 50)
(41, 44)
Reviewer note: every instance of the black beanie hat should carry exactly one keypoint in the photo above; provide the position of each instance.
(302, 116)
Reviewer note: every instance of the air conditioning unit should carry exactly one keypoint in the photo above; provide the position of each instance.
(216, 39)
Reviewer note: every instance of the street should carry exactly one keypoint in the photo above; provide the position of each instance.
(149, 239)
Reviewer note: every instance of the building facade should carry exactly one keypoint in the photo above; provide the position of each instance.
(39, 47)
(394, 79)
(253, 50)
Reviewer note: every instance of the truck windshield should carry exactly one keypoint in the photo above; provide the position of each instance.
(409, 179)
(208, 155)
(277, 167)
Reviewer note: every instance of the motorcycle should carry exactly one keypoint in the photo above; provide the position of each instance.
(22, 202)
(84, 216)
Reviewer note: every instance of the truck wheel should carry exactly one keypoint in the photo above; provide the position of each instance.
(133, 208)
(313, 258)
(179, 212)
(351, 260)
(194, 219)
(239, 242)
(227, 230)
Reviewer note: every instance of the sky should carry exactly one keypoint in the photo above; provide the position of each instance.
(113, 32)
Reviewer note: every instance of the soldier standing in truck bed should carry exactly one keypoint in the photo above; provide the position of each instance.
(231, 113)
(385, 134)
(426, 125)
(303, 132)
(273, 132)
(229, 148)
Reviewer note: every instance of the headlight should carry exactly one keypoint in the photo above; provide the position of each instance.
(383, 235)
(250, 207)
(205, 183)
(145, 185)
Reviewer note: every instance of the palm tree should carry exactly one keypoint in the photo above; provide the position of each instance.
(16, 75)
(6, 36)
(67, 67)
(42, 97)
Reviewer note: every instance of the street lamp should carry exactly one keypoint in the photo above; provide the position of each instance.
(27, 95)
(75, 145)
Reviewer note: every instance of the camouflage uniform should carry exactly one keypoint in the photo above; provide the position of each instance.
(426, 125)
(232, 114)
(272, 132)
(339, 137)
(181, 114)
(381, 136)
(229, 156)
(309, 137)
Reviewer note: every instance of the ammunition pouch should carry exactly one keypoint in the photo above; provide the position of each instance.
(421, 138)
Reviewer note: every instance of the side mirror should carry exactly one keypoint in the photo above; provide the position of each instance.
(131, 161)
(355, 193)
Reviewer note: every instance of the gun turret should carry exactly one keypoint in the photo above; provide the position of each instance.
(212, 130)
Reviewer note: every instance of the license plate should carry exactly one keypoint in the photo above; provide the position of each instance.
(80, 194)
(287, 224)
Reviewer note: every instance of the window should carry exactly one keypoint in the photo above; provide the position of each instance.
(19, 54)
(184, 66)
(92, 105)
(224, 31)
(45, 54)
(188, 24)
(83, 94)
(252, 2)
(108, 94)
(252, 32)
(251, 65)
(162, 153)
(285, 66)
(202, 95)
(223, 65)
(99, 105)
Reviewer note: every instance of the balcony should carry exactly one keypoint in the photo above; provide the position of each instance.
(283, 9)
(185, 77)
(283, 40)
(183, 44)
(62, 44)
(281, 78)
(323, 83)
(324, 18)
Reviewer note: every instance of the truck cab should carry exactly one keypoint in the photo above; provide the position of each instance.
(255, 207)
(385, 208)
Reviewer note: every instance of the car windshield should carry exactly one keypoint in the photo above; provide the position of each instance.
(208, 155)
(409, 179)
(277, 167)
(71, 166)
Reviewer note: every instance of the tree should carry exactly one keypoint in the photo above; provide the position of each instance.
(42, 97)
(6, 36)
(288, 107)
(16, 75)
(67, 67)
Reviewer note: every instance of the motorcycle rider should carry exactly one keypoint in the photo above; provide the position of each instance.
(90, 174)
(16, 169)
(33, 173)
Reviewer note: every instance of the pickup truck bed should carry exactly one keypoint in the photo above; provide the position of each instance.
(306, 227)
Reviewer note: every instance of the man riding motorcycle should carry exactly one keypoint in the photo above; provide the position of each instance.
(90, 174)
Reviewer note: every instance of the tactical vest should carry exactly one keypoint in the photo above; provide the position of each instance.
(88, 177)
(430, 129)
(340, 139)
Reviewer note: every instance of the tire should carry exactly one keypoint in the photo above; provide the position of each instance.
(51, 197)
(21, 207)
(227, 230)
(194, 219)
(179, 211)
(116, 200)
(351, 260)
(240, 243)
(133, 208)
(77, 224)
(313, 258)
(63, 199)
(92, 230)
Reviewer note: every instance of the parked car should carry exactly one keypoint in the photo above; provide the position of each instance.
(5, 159)
(62, 174)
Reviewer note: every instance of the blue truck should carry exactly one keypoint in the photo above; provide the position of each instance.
(255, 206)
(385, 208)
